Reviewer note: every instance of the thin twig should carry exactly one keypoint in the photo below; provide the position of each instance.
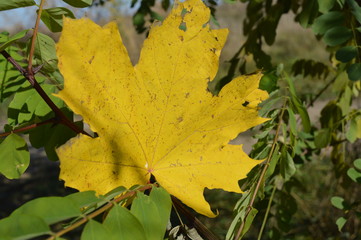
(97, 212)
(321, 91)
(267, 212)
(263, 173)
(26, 128)
(58, 113)
(33, 39)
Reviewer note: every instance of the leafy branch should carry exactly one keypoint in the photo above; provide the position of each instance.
(262, 175)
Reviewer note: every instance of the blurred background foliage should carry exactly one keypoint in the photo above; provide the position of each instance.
(310, 53)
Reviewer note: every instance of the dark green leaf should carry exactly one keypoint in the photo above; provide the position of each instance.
(22, 226)
(51, 136)
(340, 222)
(337, 35)
(287, 166)
(323, 138)
(50, 209)
(146, 211)
(79, 3)
(268, 82)
(308, 14)
(13, 39)
(248, 222)
(356, 9)
(298, 106)
(346, 54)
(354, 72)
(53, 18)
(14, 155)
(95, 231)
(292, 121)
(122, 224)
(11, 4)
(327, 21)
(325, 5)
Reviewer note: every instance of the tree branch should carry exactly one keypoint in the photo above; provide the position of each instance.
(30, 77)
(26, 128)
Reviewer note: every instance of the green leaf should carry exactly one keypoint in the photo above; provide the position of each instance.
(287, 166)
(357, 163)
(345, 101)
(351, 134)
(146, 211)
(273, 163)
(83, 199)
(122, 224)
(13, 39)
(337, 35)
(325, 5)
(164, 205)
(248, 222)
(292, 121)
(346, 54)
(45, 52)
(356, 9)
(354, 72)
(308, 13)
(327, 21)
(354, 175)
(27, 104)
(340, 222)
(50, 209)
(11, 4)
(22, 227)
(14, 155)
(95, 231)
(53, 18)
(338, 202)
(51, 136)
(323, 138)
(79, 3)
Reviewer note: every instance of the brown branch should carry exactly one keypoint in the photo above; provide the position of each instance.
(99, 211)
(263, 173)
(33, 39)
(26, 128)
(58, 113)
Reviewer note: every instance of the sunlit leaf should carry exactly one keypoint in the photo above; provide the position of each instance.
(157, 117)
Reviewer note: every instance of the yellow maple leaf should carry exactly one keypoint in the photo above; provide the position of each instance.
(157, 117)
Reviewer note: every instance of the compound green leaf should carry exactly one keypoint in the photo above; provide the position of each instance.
(14, 155)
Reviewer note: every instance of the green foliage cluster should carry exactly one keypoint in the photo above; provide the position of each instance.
(289, 141)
